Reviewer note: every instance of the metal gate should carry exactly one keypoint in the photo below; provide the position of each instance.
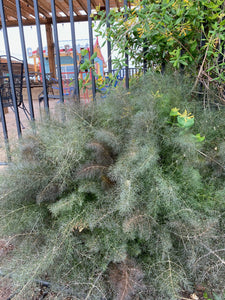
(21, 18)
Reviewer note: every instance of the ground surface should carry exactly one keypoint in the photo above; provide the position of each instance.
(11, 122)
(38, 113)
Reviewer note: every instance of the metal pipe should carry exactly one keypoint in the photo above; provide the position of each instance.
(3, 164)
(91, 47)
(109, 50)
(45, 88)
(19, 16)
(7, 50)
(74, 46)
(57, 288)
(57, 52)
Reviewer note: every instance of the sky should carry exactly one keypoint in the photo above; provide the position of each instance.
(30, 33)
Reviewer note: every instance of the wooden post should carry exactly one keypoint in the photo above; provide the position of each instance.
(50, 44)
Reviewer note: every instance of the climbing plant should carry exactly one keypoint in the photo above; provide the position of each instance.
(179, 33)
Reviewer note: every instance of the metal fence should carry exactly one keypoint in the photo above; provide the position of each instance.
(124, 72)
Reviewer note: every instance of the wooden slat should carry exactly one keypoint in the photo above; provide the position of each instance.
(46, 4)
(75, 8)
(83, 5)
(65, 3)
(94, 4)
(26, 8)
(116, 3)
(11, 5)
(61, 7)
(10, 10)
(10, 13)
(41, 9)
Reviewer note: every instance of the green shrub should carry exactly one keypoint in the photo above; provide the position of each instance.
(119, 202)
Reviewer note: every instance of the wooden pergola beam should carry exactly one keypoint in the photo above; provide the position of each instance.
(31, 22)
(45, 11)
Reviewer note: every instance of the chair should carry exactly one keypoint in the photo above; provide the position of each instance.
(52, 86)
(5, 85)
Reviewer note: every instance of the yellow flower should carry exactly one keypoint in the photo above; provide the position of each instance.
(100, 80)
(130, 22)
(156, 95)
(174, 4)
(188, 3)
(135, 2)
(98, 8)
(140, 31)
(186, 115)
(174, 112)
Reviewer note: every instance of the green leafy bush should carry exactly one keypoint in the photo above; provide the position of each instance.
(117, 202)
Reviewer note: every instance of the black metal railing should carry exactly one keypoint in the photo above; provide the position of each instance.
(122, 73)
(43, 76)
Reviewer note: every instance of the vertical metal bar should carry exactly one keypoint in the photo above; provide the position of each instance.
(145, 49)
(202, 44)
(31, 109)
(91, 46)
(4, 127)
(7, 50)
(109, 50)
(45, 88)
(126, 55)
(2, 115)
(73, 35)
(58, 62)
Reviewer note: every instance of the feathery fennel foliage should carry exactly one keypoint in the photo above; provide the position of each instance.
(117, 202)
